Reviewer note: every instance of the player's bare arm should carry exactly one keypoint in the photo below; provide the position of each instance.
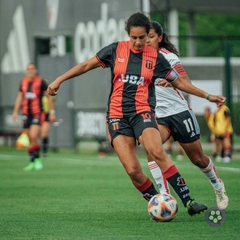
(52, 115)
(73, 72)
(17, 106)
(183, 83)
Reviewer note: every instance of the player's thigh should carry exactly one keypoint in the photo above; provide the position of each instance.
(126, 149)
(227, 142)
(145, 128)
(152, 143)
(34, 132)
(194, 150)
(165, 133)
(45, 129)
(228, 139)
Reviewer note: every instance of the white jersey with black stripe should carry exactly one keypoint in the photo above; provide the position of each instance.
(169, 100)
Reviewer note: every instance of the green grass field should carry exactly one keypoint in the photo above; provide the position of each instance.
(84, 196)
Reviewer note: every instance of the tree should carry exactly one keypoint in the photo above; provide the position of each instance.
(211, 30)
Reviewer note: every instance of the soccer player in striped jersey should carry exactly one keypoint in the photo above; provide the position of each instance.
(131, 105)
(29, 98)
(176, 118)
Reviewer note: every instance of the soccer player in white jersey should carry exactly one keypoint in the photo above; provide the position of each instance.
(175, 118)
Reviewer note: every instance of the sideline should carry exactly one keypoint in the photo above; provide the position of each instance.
(111, 160)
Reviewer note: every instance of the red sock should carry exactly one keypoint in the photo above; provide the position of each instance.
(147, 189)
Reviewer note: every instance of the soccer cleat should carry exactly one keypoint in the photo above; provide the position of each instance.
(29, 167)
(222, 198)
(226, 159)
(38, 164)
(195, 208)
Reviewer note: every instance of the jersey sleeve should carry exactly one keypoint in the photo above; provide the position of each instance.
(20, 86)
(169, 67)
(106, 55)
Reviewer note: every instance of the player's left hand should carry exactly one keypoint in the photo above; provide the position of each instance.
(52, 117)
(163, 83)
(53, 88)
(219, 100)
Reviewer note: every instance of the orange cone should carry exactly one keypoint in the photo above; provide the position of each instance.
(22, 141)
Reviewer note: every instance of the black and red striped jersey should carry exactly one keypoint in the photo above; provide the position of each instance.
(32, 91)
(133, 76)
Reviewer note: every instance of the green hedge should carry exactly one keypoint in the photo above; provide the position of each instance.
(236, 117)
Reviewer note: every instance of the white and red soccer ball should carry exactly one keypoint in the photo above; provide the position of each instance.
(162, 207)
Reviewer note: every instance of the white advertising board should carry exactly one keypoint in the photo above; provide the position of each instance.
(210, 86)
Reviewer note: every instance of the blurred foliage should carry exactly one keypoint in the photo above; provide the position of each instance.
(235, 117)
(217, 25)
(211, 31)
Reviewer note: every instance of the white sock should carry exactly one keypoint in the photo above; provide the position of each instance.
(158, 177)
(211, 174)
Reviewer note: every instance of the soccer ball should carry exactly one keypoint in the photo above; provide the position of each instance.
(162, 207)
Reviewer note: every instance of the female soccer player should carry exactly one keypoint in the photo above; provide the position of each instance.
(175, 117)
(131, 105)
(32, 88)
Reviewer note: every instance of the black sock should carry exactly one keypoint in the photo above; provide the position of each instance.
(149, 192)
(31, 156)
(147, 189)
(180, 187)
(45, 144)
(36, 154)
(222, 153)
(178, 184)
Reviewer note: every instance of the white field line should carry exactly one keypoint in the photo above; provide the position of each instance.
(111, 160)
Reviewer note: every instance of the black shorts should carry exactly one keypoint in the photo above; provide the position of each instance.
(183, 126)
(46, 117)
(227, 135)
(220, 137)
(132, 126)
(31, 119)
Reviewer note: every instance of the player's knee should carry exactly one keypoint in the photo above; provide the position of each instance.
(134, 172)
(158, 154)
(201, 161)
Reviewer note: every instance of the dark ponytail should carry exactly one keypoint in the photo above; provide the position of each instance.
(165, 43)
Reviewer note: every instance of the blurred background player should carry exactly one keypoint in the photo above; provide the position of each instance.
(29, 98)
(46, 125)
(169, 149)
(224, 131)
(218, 151)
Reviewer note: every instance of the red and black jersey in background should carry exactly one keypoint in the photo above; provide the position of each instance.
(133, 76)
(32, 94)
